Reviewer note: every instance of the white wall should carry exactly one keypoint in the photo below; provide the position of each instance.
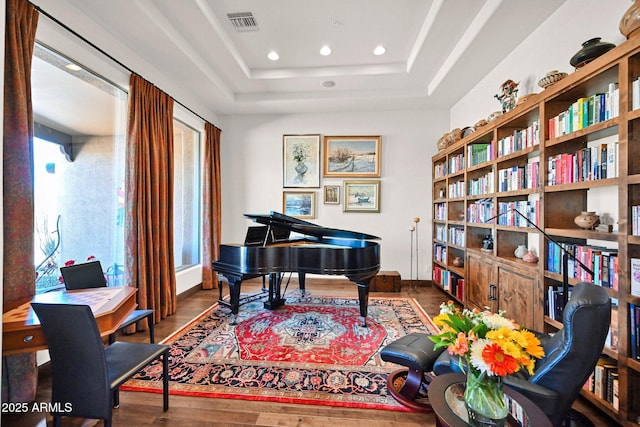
(251, 155)
(550, 47)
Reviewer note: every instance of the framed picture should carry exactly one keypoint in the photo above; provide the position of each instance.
(299, 204)
(352, 156)
(361, 196)
(331, 194)
(301, 161)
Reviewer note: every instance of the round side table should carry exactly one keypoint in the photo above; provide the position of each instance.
(446, 397)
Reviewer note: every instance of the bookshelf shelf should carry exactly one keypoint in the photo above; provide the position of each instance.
(552, 130)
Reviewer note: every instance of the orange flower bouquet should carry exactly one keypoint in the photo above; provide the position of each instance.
(493, 347)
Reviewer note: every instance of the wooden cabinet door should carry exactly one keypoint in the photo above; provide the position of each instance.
(480, 283)
(517, 296)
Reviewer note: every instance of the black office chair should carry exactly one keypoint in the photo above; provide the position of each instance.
(90, 275)
(570, 357)
(86, 375)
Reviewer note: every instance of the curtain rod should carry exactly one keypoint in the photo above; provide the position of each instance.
(103, 52)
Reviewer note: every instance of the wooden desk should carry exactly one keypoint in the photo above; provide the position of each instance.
(21, 331)
(445, 396)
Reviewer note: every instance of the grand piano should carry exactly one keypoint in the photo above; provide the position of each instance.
(271, 250)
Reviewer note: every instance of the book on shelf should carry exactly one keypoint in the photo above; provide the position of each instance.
(635, 276)
(634, 331)
(612, 337)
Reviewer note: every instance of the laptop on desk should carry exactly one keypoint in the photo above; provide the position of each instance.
(83, 276)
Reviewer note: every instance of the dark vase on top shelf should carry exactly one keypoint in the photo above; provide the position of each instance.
(591, 49)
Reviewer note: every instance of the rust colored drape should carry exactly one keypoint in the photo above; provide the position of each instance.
(149, 201)
(19, 372)
(212, 205)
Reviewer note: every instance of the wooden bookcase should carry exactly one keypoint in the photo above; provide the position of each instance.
(467, 191)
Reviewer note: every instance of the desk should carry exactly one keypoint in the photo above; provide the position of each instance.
(21, 331)
(445, 396)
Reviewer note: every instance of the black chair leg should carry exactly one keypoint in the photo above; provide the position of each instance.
(165, 381)
(152, 334)
(116, 397)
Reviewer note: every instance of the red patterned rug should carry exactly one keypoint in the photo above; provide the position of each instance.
(312, 350)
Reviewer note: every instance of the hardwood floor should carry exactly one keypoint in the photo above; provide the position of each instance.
(145, 409)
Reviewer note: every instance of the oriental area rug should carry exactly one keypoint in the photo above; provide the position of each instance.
(313, 350)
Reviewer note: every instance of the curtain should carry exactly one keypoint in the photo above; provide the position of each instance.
(149, 199)
(19, 372)
(212, 205)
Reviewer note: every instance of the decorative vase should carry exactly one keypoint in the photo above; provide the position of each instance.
(487, 243)
(520, 251)
(484, 399)
(591, 49)
(530, 257)
(630, 21)
(587, 220)
(457, 262)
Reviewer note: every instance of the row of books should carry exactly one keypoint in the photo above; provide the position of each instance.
(457, 189)
(508, 215)
(440, 252)
(519, 177)
(635, 94)
(586, 111)
(456, 236)
(440, 211)
(479, 153)
(587, 164)
(441, 232)
(456, 163)
(481, 211)
(482, 185)
(439, 170)
(521, 139)
(554, 302)
(604, 382)
(635, 220)
(450, 281)
(601, 260)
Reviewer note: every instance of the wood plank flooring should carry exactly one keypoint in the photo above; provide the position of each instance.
(145, 409)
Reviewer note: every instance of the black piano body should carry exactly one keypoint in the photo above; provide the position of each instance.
(269, 251)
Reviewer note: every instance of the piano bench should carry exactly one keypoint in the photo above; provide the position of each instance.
(386, 281)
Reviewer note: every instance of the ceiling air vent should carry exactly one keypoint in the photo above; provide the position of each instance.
(243, 21)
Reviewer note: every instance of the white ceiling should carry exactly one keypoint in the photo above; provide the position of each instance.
(435, 50)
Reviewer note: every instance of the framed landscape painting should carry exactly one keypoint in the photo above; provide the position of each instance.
(352, 156)
(361, 196)
(299, 204)
(301, 161)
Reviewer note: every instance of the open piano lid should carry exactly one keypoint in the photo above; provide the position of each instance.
(277, 219)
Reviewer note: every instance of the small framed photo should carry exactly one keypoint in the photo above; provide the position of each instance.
(299, 204)
(361, 196)
(352, 156)
(301, 161)
(331, 194)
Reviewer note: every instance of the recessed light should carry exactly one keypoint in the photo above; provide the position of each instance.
(73, 67)
(379, 50)
(273, 55)
(328, 83)
(325, 50)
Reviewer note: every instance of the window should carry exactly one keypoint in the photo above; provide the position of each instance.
(186, 192)
(79, 161)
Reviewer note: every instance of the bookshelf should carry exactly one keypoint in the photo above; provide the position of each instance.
(573, 147)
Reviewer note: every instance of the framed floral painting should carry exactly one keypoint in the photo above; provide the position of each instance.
(299, 204)
(352, 156)
(301, 161)
(361, 196)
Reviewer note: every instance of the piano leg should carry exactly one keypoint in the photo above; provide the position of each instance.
(301, 278)
(363, 297)
(275, 294)
(234, 298)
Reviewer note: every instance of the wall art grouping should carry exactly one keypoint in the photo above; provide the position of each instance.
(342, 157)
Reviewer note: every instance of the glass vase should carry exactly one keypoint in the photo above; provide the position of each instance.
(484, 399)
